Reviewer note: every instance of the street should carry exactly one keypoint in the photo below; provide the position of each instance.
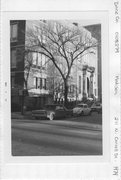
(57, 137)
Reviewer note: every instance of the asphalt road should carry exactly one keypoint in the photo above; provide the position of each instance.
(58, 137)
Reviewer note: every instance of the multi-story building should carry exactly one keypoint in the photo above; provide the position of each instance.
(28, 70)
(95, 30)
(17, 45)
(83, 80)
(84, 76)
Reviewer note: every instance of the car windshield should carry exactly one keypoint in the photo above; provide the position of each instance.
(50, 107)
(59, 107)
(53, 107)
(97, 104)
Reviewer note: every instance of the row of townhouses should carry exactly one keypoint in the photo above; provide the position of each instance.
(35, 80)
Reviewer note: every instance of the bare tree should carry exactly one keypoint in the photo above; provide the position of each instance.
(28, 62)
(61, 43)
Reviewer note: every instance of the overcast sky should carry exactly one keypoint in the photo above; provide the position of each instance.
(86, 22)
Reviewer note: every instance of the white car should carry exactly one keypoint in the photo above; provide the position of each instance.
(81, 109)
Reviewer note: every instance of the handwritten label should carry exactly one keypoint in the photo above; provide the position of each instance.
(116, 42)
(116, 7)
(115, 170)
(116, 146)
(116, 86)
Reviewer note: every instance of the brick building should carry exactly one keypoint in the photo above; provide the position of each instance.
(17, 48)
(26, 64)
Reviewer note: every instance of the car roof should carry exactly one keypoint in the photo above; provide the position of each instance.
(81, 104)
(96, 103)
(53, 105)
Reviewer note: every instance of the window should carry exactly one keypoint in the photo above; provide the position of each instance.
(71, 89)
(35, 82)
(35, 59)
(95, 92)
(58, 87)
(42, 61)
(43, 39)
(39, 59)
(40, 83)
(44, 83)
(13, 59)
(12, 81)
(13, 32)
(79, 84)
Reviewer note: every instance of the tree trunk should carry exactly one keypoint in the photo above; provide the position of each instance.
(26, 84)
(65, 93)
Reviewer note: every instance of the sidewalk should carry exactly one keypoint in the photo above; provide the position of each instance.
(18, 115)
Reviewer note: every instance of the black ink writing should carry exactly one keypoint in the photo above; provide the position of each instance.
(116, 42)
(115, 170)
(116, 87)
(116, 4)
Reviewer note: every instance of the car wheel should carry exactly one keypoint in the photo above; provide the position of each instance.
(51, 117)
(82, 113)
(90, 113)
(98, 111)
(36, 118)
(74, 114)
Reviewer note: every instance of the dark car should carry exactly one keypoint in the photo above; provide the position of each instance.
(96, 107)
(52, 111)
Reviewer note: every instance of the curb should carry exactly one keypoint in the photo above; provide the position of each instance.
(20, 116)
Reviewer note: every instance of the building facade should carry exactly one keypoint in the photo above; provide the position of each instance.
(28, 71)
(17, 48)
(96, 33)
(83, 80)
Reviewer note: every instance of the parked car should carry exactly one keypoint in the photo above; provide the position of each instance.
(96, 107)
(81, 109)
(52, 111)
